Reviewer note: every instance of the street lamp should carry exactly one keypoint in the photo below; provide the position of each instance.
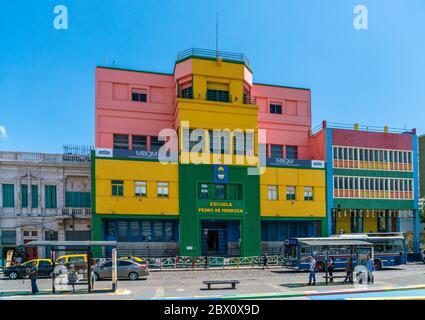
(206, 247)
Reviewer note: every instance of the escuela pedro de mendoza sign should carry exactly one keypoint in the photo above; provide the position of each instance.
(220, 207)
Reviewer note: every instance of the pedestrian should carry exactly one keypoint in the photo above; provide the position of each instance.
(265, 261)
(349, 271)
(33, 277)
(331, 265)
(311, 269)
(370, 270)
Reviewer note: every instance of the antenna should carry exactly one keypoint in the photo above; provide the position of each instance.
(216, 35)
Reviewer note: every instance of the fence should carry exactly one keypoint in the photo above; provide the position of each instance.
(213, 262)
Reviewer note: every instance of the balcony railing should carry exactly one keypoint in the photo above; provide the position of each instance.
(77, 212)
(250, 100)
(219, 96)
(207, 53)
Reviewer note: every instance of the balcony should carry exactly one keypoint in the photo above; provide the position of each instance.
(45, 158)
(213, 54)
(76, 212)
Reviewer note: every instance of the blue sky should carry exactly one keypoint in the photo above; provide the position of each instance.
(374, 76)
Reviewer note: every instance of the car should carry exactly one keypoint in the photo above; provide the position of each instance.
(135, 259)
(45, 269)
(78, 260)
(126, 269)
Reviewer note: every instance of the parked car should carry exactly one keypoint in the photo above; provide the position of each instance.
(135, 259)
(78, 260)
(45, 269)
(126, 269)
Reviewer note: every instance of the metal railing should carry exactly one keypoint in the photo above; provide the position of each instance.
(249, 100)
(207, 53)
(76, 212)
(360, 127)
(219, 96)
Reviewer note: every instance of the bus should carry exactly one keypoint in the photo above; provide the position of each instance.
(389, 250)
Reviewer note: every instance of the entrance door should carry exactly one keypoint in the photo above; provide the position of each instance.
(213, 242)
(214, 238)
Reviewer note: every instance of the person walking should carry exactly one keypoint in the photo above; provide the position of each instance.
(265, 261)
(33, 277)
(312, 271)
(370, 270)
(331, 265)
(349, 271)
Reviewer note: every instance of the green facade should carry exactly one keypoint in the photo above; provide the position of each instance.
(194, 210)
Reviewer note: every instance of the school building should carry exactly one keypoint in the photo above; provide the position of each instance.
(239, 170)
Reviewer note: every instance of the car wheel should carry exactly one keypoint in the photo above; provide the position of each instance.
(96, 277)
(51, 274)
(133, 276)
(13, 275)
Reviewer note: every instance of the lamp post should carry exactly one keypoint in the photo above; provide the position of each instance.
(206, 248)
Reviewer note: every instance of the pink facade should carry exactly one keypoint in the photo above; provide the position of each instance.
(116, 113)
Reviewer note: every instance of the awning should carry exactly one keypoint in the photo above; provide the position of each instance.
(71, 243)
(347, 243)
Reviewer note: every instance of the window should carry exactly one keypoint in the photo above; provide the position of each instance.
(203, 191)
(146, 231)
(134, 231)
(34, 196)
(156, 144)
(291, 152)
(139, 95)
(218, 95)
(234, 192)
(220, 192)
(140, 188)
(290, 193)
(122, 263)
(139, 143)
(50, 197)
(168, 231)
(187, 93)
(77, 199)
(118, 188)
(123, 231)
(276, 151)
(8, 196)
(219, 141)
(24, 196)
(308, 193)
(157, 231)
(120, 141)
(8, 237)
(162, 188)
(272, 192)
(275, 108)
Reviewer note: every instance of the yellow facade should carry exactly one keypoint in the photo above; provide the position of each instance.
(129, 172)
(370, 224)
(300, 178)
(198, 113)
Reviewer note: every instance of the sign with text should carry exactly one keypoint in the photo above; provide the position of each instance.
(295, 163)
(220, 207)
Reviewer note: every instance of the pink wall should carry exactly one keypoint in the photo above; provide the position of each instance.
(116, 113)
(292, 127)
(367, 139)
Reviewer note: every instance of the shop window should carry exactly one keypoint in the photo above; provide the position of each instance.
(121, 141)
(140, 188)
(139, 95)
(162, 188)
(118, 188)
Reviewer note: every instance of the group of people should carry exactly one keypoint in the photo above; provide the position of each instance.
(349, 268)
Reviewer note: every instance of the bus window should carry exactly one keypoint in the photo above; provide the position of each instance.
(398, 246)
(379, 247)
(290, 251)
(389, 246)
(304, 251)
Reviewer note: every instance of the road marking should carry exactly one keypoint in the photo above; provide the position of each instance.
(159, 293)
(180, 289)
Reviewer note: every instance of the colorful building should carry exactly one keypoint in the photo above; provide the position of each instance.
(372, 180)
(209, 198)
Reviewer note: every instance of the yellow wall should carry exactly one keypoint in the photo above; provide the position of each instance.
(369, 224)
(209, 115)
(300, 178)
(130, 171)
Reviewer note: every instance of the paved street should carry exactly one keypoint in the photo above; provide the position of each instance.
(276, 283)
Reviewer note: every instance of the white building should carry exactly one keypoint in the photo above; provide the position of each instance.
(43, 197)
